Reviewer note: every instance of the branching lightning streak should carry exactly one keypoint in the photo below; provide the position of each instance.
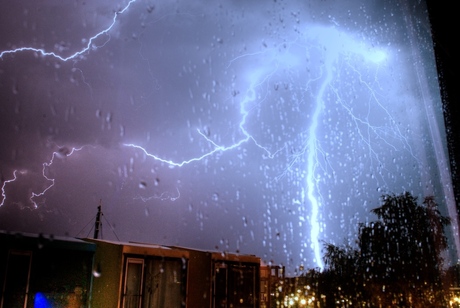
(335, 44)
(4, 184)
(62, 152)
(46, 165)
(311, 150)
(162, 196)
(396, 130)
(43, 52)
(78, 53)
(244, 111)
(194, 159)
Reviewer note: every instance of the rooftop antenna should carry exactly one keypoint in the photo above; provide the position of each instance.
(97, 224)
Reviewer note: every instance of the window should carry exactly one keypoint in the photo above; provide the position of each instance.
(154, 282)
(235, 285)
(270, 128)
(132, 295)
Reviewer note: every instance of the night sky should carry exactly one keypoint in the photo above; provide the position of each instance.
(264, 129)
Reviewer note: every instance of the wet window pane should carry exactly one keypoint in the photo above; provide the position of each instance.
(278, 129)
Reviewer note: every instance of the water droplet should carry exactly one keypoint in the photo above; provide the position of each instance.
(96, 274)
(207, 131)
(108, 117)
(150, 8)
(97, 271)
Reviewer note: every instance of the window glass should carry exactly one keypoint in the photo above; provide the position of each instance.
(268, 128)
(132, 296)
(163, 284)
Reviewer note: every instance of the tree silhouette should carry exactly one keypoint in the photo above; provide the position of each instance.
(340, 282)
(398, 263)
(401, 252)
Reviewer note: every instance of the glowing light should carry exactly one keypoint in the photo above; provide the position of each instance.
(40, 301)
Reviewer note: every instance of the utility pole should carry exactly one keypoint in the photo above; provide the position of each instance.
(98, 224)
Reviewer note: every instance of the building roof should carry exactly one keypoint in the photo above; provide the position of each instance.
(32, 241)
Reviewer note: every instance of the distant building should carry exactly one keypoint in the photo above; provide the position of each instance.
(271, 286)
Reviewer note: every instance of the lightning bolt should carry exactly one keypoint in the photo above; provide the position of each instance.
(335, 44)
(247, 136)
(89, 46)
(258, 79)
(311, 150)
(62, 152)
(162, 196)
(4, 182)
(217, 148)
